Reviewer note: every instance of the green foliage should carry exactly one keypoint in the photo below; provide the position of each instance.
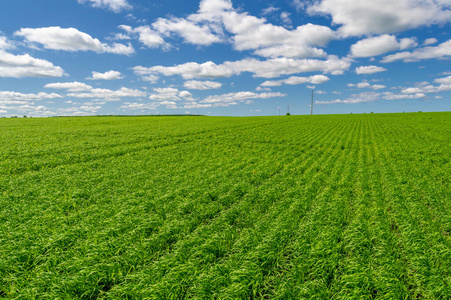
(307, 207)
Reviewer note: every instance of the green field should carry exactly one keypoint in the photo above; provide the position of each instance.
(287, 207)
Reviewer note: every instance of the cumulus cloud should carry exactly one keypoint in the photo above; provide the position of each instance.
(202, 85)
(70, 39)
(5, 44)
(113, 5)
(10, 97)
(369, 70)
(186, 95)
(269, 10)
(147, 36)
(268, 40)
(150, 78)
(363, 85)
(392, 96)
(295, 80)
(445, 80)
(251, 33)
(70, 86)
(270, 68)
(239, 97)
(109, 75)
(170, 94)
(165, 94)
(140, 106)
(194, 105)
(192, 33)
(443, 50)
(218, 22)
(109, 95)
(285, 17)
(430, 41)
(169, 104)
(374, 46)
(26, 66)
(354, 99)
(445, 85)
(358, 17)
(188, 70)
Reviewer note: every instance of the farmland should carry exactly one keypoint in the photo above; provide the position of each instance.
(286, 207)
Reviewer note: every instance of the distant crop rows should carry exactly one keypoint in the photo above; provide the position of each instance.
(292, 207)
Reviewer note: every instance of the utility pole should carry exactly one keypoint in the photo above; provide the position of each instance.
(288, 109)
(311, 106)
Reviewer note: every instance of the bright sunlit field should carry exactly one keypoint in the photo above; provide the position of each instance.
(286, 207)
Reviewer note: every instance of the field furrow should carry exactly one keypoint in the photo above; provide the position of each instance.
(293, 207)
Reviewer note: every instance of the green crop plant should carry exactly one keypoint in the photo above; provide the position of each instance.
(305, 207)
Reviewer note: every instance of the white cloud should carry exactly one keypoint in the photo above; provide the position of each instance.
(70, 86)
(149, 106)
(235, 98)
(391, 96)
(10, 97)
(217, 21)
(147, 36)
(354, 99)
(120, 36)
(35, 110)
(191, 32)
(140, 106)
(113, 5)
(374, 46)
(170, 94)
(369, 70)
(109, 75)
(109, 95)
(263, 89)
(26, 66)
(202, 85)
(358, 17)
(193, 105)
(363, 85)
(286, 66)
(268, 69)
(150, 78)
(5, 44)
(90, 108)
(165, 94)
(186, 95)
(70, 39)
(269, 10)
(295, 80)
(169, 104)
(188, 70)
(446, 80)
(443, 50)
(285, 17)
(268, 40)
(430, 41)
(444, 86)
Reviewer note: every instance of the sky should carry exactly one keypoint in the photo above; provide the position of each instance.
(223, 57)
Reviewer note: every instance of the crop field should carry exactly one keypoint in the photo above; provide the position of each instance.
(284, 207)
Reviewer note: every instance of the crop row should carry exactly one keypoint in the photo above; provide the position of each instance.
(307, 207)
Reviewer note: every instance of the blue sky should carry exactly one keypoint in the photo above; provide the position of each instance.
(222, 57)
